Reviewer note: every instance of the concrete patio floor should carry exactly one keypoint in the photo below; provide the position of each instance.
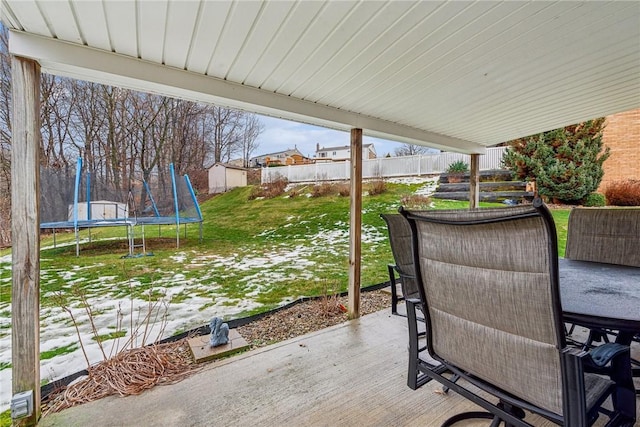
(352, 374)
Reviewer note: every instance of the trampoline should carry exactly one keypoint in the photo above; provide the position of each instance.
(93, 204)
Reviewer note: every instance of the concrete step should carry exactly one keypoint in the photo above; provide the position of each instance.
(491, 175)
(484, 186)
(494, 196)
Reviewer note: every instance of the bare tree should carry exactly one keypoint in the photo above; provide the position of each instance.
(252, 128)
(411, 150)
(227, 124)
(121, 135)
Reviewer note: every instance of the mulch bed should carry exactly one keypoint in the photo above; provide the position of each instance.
(133, 371)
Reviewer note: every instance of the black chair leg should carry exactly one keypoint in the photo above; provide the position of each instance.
(624, 398)
(496, 420)
(394, 291)
(454, 378)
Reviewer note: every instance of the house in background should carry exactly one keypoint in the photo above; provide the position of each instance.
(280, 158)
(333, 154)
(236, 162)
(622, 136)
(224, 177)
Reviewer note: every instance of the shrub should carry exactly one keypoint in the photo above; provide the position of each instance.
(623, 193)
(458, 166)
(269, 190)
(344, 190)
(416, 202)
(594, 200)
(566, 163)
(323, 189)
(199, 180)
(377, 187)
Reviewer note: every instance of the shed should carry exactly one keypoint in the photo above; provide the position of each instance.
(224, 177)
(100, 209)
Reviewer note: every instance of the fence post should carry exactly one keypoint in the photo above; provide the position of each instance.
(419, 164)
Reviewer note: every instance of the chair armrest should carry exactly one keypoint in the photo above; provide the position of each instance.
(602, 355)
(573, 386)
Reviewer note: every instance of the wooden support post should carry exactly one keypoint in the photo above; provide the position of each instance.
(474, 182)
(25, 232)
(355, 224)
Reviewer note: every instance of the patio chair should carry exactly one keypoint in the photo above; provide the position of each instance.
(400, 242)
(609, 235)
(488, 286)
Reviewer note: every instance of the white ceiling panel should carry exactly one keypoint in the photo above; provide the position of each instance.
(61, 20)
(304, 57)
(258, 41)
(343, 26)
(358, 32)
(382, 74)
(92, 24)
(237, 27)
(456, 74)
(26, 16)
(293, 27)
(206, 32)
(122, 24)
(152, 21)
(178, 43)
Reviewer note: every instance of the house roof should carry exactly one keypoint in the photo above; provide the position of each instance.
(287, 152)
(453, 75)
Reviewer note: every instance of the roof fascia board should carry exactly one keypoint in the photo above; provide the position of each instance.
(86, 63)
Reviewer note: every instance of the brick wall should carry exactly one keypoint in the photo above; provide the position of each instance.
(622, 136)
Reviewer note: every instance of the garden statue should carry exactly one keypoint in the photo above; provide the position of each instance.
(219, 332)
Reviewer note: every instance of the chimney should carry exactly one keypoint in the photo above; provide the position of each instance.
(317, 147)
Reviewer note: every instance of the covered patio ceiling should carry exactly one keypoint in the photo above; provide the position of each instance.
(454, 75)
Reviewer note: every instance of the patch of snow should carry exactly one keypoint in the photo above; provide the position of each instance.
(179, 258)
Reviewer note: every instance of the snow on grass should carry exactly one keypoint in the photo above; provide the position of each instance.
(196, 291)
(196, 305)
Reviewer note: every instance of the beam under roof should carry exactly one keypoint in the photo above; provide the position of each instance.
(86, 63)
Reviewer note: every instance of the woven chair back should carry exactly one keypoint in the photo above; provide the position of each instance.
(492, 300)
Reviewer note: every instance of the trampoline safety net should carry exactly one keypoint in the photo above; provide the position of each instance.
(79, 199)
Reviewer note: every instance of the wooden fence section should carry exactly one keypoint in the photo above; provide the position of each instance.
(383, 167)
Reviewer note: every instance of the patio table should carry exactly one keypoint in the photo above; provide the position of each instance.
(596, 295)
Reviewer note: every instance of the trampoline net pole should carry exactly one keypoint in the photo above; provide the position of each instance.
(75, 204)
(175, 203)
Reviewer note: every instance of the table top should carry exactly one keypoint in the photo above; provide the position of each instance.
(600, 295)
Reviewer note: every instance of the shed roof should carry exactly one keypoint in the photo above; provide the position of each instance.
(228, 166)
(455, 75)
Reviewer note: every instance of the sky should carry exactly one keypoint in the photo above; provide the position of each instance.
(280, 135)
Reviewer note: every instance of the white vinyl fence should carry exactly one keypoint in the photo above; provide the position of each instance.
(383, 167)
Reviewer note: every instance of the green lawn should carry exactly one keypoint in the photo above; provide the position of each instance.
(235, 230)
(255, 255)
